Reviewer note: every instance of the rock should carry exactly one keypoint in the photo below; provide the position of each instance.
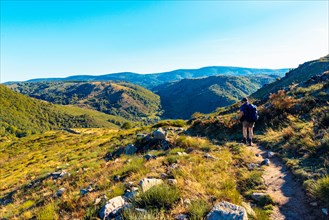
(149, 157)
(257, 155)
(227, 211)
(258, 196)
(181, 217)
(266, 162)
(131, 194)
(270, 154)
(252, 166)
(159, 134)
(324, 211)
(172, 181)
(314, 204)
(112, 208)
(60, 192)
(58, 175)
(130, 149)
(189, 150)
(147, 183)
(85, 191)
(187, 202)
(97, 201)
(208, 156)
(164, 145)
(114, 154)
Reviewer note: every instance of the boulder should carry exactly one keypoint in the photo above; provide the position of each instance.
(324, 211)
(147, 183)
(112, 208)
(159, 134)
(314, 204)
(258, 196)
(227, 211)
(130, 149)
(85, 191)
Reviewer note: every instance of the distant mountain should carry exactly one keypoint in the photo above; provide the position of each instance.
(183, 98)
(115, 98)
(151, 80)
(304, 72)
(21, 115)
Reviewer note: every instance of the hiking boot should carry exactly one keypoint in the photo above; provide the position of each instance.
(250, 142)
(244, 140)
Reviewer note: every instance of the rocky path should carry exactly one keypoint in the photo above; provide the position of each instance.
(292, 203)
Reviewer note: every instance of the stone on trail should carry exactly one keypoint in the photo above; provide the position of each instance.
(159, 134)
(147, 183)
(112, 208)
(227, 211)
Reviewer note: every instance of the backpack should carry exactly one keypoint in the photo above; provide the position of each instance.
(251, 113)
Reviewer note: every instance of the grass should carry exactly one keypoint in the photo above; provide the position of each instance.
(157, 197)
(198, 209)
(320, 189)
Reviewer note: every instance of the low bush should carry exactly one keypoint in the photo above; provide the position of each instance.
(157, 197)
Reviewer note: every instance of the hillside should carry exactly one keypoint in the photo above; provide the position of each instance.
(294, 124)
(183, 98)
(115, 98)
(151, 80)
(21, 115)
(304, 72)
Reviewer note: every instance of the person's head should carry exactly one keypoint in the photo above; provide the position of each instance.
(244, 100)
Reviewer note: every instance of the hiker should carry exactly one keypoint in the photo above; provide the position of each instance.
(248, 116)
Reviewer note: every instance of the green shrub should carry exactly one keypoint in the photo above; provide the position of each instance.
(198, 209)
(157, 197)
(265, 201)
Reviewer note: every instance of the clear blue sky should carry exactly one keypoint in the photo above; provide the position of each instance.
(62, 38)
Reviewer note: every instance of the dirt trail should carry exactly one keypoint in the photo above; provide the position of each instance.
(285, 191)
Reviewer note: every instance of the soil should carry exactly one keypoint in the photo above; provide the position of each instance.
(287, 193)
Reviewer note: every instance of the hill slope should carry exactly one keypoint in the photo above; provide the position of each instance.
(183, 98)
(21, 115)
(154, 79)
(116, 98)
(304, 72)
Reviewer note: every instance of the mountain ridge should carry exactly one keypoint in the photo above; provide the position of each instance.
(151, 80)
